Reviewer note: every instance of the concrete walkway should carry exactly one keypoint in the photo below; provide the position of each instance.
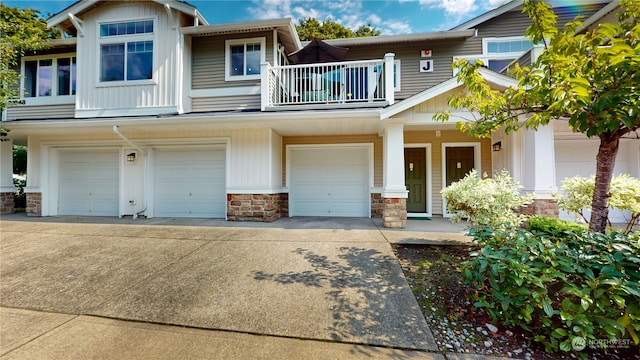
(114, 288)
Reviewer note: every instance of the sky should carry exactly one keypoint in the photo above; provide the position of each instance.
(388, 16)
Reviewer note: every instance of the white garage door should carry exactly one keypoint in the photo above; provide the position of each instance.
(190, 183)
(88, 183)
(578, 157)
(329, 182)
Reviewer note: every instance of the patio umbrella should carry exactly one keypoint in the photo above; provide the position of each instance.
(318, 51)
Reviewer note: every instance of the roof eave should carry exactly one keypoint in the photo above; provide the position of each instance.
(372, 40)
(81, 6)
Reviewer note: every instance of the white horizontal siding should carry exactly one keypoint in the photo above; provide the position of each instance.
(62, 111)
(225, 103)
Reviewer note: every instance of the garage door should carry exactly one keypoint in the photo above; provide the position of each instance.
(573, 158)
(329, 182)
(190, 183)
(88, 183)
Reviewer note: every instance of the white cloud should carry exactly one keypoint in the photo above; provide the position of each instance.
(396, 27)
(452, 7)
(270, 9)
(496, 3)
(303, 13)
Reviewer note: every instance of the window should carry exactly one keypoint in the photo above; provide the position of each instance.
(243, 58)
(498, 46)
(498, 53)
(49, 77)
(126, 51)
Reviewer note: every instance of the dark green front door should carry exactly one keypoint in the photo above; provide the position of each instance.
(415, 178)
(460, 160)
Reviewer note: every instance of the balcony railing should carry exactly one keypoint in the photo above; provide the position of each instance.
(350, 84)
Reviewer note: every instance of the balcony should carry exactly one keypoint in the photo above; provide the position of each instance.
(345, 84)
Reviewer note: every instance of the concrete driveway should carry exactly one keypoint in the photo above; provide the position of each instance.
(306, 279)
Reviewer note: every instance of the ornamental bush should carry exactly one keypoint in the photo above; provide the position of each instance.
(577, 192)
(558, 284)
(487, 201)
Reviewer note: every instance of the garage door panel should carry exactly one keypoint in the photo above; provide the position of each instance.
(190, 183)
(88, 183)
(329, 182)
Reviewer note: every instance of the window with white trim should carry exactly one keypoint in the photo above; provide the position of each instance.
(499, 52)
(126, 50)
(243, 58)
(49, 76)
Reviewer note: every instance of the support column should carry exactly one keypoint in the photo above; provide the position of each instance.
(7, 189)
(539, 170)
(394, 192)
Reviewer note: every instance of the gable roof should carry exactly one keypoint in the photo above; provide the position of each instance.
(61, 18)
(490, 75)
(513, 5)
(286, 29)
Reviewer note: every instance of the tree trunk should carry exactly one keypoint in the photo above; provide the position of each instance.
(605, 162)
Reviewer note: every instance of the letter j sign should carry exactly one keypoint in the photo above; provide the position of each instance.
(426, 65)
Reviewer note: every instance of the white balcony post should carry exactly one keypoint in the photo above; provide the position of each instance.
(265, 74)
(388, 77)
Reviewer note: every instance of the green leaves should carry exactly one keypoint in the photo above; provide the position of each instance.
(558, 283)
(488, 201)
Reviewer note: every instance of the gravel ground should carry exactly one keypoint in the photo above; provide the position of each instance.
(434, 276)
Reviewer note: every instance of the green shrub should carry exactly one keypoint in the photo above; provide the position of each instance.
(558, 287)
(554, 226)
(487, 201)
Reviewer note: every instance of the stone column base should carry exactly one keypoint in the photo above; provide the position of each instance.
(34, 204)
(542, 207)
(394, 213)
(377, 205)
(7, 203)
(256, 207)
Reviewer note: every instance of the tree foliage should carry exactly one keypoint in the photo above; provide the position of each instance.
(22, 31)
(588, 77)
(311, 29)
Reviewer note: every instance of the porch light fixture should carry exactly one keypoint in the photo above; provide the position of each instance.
(497, 146)
(131, 157)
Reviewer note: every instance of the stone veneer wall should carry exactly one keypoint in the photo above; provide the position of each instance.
(394, 213)
(7, 203)
(377, 205)
(34, 204)
(543, 207)
(257, 207)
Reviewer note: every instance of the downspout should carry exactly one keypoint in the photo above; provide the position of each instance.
(117, 132)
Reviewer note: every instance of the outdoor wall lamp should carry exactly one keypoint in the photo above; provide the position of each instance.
(497, 146)
(131, 157)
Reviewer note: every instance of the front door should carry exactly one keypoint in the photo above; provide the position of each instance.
(415, 178)
(460, 160)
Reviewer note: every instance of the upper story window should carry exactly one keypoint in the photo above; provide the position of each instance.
(126, 51)
(243, 58)
(506, 45)
(49, 76)
(499, 52)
